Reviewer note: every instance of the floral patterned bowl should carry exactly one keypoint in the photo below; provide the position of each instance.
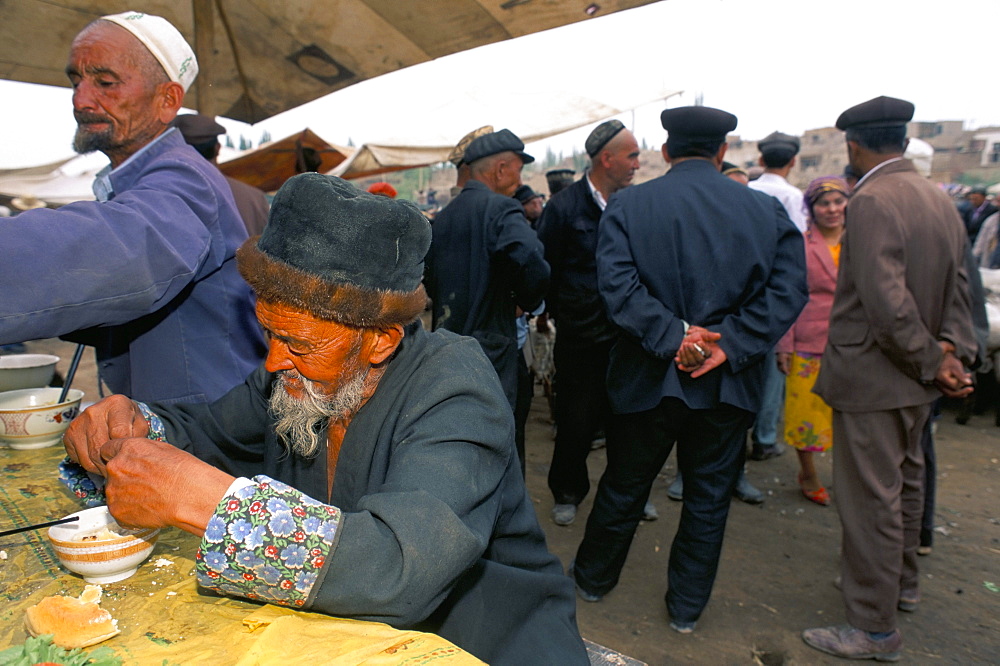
(34, 418)
(98, 549)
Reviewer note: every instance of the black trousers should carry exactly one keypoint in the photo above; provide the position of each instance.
(525, 392)
(581, 408)
(710, 453)
(930, 477)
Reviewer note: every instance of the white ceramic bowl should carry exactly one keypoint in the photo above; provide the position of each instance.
(21, 371)
(34, 418)
(104, 560)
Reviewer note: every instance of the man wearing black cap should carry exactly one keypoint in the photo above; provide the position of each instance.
(558, 180)
(532, 202)
(202, 134)
(568, 229)
(777, 156)
(367, 468)
(457, 155)
(979, 209)
(485, 260)
(702, 276)
(900, 335)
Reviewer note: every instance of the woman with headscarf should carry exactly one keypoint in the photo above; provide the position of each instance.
(808, 420)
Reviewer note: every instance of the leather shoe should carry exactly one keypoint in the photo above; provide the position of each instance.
(765, 452)
(589, 597)
(675, 490)
(649, 512)
(563, 514)
(850, 643)
(908, 601)
(746, 492)
(682, 627)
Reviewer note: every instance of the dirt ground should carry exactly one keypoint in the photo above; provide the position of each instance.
(779, 558)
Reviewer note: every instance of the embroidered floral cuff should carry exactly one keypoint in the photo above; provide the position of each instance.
(89, 488)
(156, 430)
(81, 484)
(268, 542)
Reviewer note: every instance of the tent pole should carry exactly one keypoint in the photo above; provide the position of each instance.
(203, 13)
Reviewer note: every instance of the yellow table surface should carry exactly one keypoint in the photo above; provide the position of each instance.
(163, 616)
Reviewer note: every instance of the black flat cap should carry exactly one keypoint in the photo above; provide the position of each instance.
(493, 143)
(698, 123)
(196, 128)
(601, 135)
(778, 142)
(879, 112)
(559, 174)
(457, 154)
(524, 194)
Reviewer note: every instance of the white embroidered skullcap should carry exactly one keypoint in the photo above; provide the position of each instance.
(164, 41)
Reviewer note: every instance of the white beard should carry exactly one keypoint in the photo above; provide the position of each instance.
(301, 422)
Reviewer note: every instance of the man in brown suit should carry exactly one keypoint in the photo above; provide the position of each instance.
(900, 335)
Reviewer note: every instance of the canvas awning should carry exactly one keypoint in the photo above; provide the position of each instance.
(533, 116)
(259, 58)
(272, 164)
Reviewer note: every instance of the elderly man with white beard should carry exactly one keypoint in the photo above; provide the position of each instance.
(367, 469)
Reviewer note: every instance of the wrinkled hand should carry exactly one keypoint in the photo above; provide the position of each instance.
(689, 356)
(784, 360)
(115, 417)
(952, 379)
(154, 484)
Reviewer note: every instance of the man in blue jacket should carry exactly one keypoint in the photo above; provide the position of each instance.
(703, 276)
(147, 273)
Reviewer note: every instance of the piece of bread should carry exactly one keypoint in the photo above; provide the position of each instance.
(73, 622)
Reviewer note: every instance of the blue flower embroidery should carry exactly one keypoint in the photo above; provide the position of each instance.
(246, 492)
(311, 525)
(328, 529)
(215, 561)
(270, 575)
(305, 582)
(276, 505)
(215, 531)
(239, 529)
(282, 524)
(255, 538)
(247, 559)
(294, 556)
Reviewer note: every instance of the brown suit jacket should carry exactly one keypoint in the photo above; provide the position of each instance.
(252, 204)
(901, 287)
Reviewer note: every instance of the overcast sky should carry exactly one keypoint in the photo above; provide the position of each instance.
(788, 65)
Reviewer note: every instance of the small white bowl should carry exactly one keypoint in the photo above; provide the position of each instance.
(102, 560)
(34, 418)
(21, 371)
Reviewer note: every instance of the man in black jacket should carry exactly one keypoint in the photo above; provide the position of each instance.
(485, 261)
(568, 229)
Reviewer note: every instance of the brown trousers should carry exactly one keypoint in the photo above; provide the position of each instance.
(878, 473)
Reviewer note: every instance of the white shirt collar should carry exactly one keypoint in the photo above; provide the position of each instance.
(594, 192)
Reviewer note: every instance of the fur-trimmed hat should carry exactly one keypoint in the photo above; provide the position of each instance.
(340, 254)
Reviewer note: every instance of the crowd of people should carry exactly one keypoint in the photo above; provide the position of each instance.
(277, 394)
